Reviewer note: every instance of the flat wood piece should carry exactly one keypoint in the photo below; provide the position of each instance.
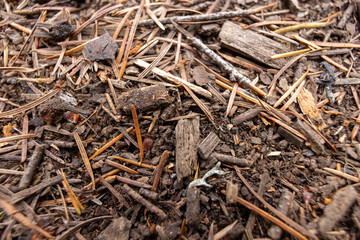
(144, 99)
(251, 44)
(208, 145)
(316, 142)
(187, 140)
(119, 229)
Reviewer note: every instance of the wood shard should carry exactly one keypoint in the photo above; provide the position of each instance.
(208, 145)
(119, 229)
(187, 140)
(316, 142)
(193, 215)
(251, 44)
(245, 116)
(144, 99)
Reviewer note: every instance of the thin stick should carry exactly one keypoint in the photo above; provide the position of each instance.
(110, 143)
(85, 158)
(121, 167)
(341, 174)
(282, 216)
(24, 143)
(151, 207)
(138, 133)
(269, 217)
(116, 194)
(16, 138)
(159, 170)
(11, 172)
(133, 182)
(206, 17)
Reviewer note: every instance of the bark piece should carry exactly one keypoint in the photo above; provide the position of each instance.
(101, 48)
(119, 229)
(232, 192)
(347, 81)
(316, 142)
(60, 30)
(337, 209)
(200, 75)
(187, 140)
(275, 231)
(193, 206)
(208, 145)
(144, 99)
(251, 44)
(290, 137)
(30, 170)
(245, 116)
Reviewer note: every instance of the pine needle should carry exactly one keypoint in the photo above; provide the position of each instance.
(18, 216)
(74, 199)
(121, 167)
(85, 158)
(138, 133)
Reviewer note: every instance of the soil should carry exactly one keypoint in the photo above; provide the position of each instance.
(98, 144)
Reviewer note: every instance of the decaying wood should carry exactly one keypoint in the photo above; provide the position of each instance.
(119, 229)
(245, 116)
(274, 231)
(187, 140)
(30, 170)
(232, 192)
(208, 145)
(228, 159)
(315, 141)
(252, 44)
(193, 206)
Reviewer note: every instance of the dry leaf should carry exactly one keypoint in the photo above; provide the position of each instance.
(308, 107)
(7, 130)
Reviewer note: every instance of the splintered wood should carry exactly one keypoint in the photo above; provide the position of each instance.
(187, 140)
(252, 44)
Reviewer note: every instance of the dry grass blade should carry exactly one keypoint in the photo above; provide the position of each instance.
(30, 105)
(19, 69)
(131, 37)
(85, 158)
(174, 79)
(138, 133)
(247, 97)
(164, 50)
(303, 25)
(231, 99)
(15, 213)
(143, 165)
(121, 167)
(11, 172)
(290, 54)
(74, 199)
(326, 58)
(291, 89)
(16, 138)
(110, 143)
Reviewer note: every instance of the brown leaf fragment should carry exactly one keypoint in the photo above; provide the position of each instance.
(308, 106)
